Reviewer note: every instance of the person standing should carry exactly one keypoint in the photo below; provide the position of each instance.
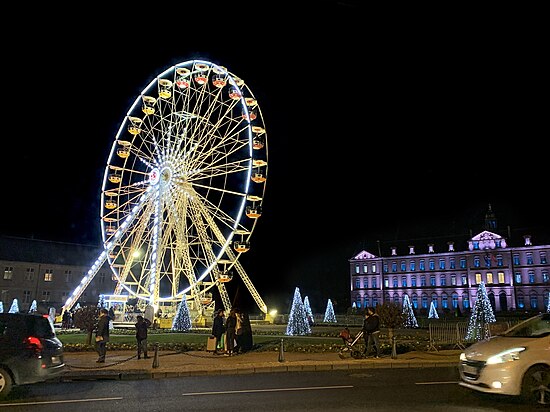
(102, 335)
(230, 327)
(371, 330)
(142, 325)
(218, 330)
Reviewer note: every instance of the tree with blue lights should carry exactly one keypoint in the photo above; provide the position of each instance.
(309, 312)
(409, 320)
(329, 313)
(182, 320)
(482, 315)
(14, 306)
(297, 320)
(433, 311)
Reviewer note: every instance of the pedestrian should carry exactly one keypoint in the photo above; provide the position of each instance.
(371, 330)
(102, 335)
(142, 325)
(246, 336)
(230, 327)
(238, 332)
(218, 329)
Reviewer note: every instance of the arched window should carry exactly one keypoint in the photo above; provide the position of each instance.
(465, 301)
(425, 301)
(444, 301)
(454, 298)
(434, 299)
(533, 300)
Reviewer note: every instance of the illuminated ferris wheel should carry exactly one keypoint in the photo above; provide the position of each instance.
(183, 187)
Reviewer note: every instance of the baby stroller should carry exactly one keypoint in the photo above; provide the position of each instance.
(349, 342)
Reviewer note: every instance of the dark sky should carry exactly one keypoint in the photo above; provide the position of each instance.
(379, 128)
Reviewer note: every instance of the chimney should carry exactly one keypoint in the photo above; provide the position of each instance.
(451, 246)
(393, 251)
(430, 248)
(411, 250)
(527, 240)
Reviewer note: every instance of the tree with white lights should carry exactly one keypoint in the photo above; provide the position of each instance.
(297, 320)
(309, 312)
(482, 315)
(433, 311)
(101, 301)
(34, 307)
(409, 320)
(182, 320)
(1, 307)
(329, 313)
(548, 305)
(14, 306)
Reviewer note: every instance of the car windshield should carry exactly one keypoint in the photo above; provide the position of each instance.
(536, 327)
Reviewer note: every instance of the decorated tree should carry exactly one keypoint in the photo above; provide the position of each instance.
(329, 313)
(433, 311)
(14, 306)
(482, 315)
(297, 320)
(34, 307)
(548, 304)
(1, 307)
(101, 301)
(182, 320)
(409, 320)
(309, 312)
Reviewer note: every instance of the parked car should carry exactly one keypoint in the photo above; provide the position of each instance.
(516, 362)
(30, 351)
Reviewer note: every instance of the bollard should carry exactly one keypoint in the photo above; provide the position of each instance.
(156, 357)
(393, 348)
(281, 352)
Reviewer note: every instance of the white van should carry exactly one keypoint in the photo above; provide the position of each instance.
(516, 362)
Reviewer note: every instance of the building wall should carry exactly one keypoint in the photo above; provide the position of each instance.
(515, 278)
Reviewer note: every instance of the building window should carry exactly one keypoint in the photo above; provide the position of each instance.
(8, 273)
(48, 276)
(545, 277)
(432, 280)
(521, 304)
(375, 301)
(26, 296)
(476, 262)
(357, 269)
(434, 300)
(396, 299)
(385, 268)
(394, 266)
(476, 245)
(453, 280)
(357, 283)
(425, 301)
(533, 300)
(413, 281)
(478, 278)
(68, 276)
(501, 277)
(463, 263)
(413, 265)
(29, 275)
(543, 260)
(489, 277)
(516, 259)
(444, 301)
(102, 277)
(422, 265)
(441, 264)
(395, 282)
(531, 277)
(414, 300)
(464, 280)
(530, 258)
(358, 301)
(373, 282)
(465, 301)
(500, 262)
(452, 263)
(46, 296)
(454, 298)
(432, 264)
(423, 280)
(403, 266)
(373, 268)
(366, 300)
(365, 268)
(386, 283)
(443, 280)
(404, 281)
(518, 277)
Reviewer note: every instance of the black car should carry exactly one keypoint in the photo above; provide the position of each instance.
(30, 352)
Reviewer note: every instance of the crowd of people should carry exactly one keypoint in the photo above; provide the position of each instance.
(233, 333)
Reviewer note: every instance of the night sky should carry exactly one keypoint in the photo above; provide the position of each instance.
(375, 131)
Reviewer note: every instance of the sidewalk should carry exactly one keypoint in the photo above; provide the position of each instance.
(125, 365)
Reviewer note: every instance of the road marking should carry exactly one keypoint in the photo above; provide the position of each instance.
(54, 402)
(309, 388)
(437, 383)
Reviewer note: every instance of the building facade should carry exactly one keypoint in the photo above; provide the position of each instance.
(48, 272)
(516, 278)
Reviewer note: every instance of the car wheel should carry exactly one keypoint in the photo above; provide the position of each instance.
(6, 383)
(535, 387)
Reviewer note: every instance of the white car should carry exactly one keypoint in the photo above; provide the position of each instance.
(516, 362)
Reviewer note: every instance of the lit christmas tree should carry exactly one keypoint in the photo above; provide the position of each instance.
(409, 320)
(548, 304)
(1, 307)
(33, 307)
(309, 312)
(329, 313)
(482, 315)
(182, 320)
(297, 320)
(14, 306)
(101, 301)
(433, 311)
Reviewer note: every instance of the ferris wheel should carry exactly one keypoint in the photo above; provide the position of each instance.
(183, 187)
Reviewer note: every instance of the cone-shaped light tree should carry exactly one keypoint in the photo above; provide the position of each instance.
(482, 315)
(309, 312)
(182, 320)
(433, 311)
(329, 313)
(34, 307)
(1, 307)
(14, 306)
(101, 301)
(548, 304)
(297, 320)
(409, 320)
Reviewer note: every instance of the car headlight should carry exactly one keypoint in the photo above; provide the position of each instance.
(508, 355)
(463, 356)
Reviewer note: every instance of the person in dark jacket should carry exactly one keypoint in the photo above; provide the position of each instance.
(371, 330)
(102, 335)
(218, 329)
(142, 325)
(230, 329)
